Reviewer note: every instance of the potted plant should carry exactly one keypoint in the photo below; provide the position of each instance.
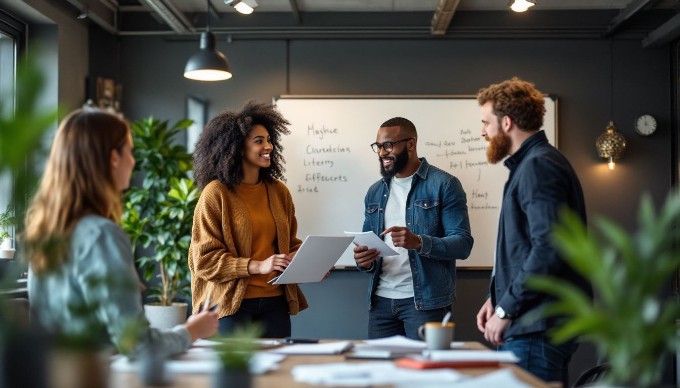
(158, 215)
(234, 353)
(632, 326)
(6, 225)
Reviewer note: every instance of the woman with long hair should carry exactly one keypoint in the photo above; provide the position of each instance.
(82, 280)
(244, 231)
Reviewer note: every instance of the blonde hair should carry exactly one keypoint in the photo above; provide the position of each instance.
(78, 180)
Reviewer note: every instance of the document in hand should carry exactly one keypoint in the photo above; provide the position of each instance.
(372, 240)
(314, 259)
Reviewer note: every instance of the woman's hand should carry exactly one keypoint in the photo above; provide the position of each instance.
(202, 325)
(272, 263)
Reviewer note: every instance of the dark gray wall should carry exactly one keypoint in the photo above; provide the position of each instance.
(576, 71)
(579, 71)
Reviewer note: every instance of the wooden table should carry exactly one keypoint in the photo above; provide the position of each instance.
(282, 378)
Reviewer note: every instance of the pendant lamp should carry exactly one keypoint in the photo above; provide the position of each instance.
(208, 64)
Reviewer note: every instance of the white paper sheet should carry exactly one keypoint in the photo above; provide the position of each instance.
(372, 240)
(401, 341)
(321, 348)
(201, 361)
(262, 342)
(314, 259)
(370, 374)
(471, 355)
(501, 378)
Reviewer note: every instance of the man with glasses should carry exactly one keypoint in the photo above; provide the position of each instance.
(421, 212)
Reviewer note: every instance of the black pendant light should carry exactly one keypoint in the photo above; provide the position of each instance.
(208, 64)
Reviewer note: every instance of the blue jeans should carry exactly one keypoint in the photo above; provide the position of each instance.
(390, 317)
(541, 358)
(271, 313)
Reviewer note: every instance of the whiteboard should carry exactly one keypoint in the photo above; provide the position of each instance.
(330, 165)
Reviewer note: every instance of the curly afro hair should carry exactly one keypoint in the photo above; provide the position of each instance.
(219, 150)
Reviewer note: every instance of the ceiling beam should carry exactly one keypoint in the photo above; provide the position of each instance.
(99, 13)
(666, 33)
(625, 14)
(295, 7)
(442, 16)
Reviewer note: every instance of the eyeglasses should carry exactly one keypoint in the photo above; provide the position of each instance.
(388, 145)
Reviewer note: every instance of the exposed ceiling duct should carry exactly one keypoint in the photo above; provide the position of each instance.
(170, 15)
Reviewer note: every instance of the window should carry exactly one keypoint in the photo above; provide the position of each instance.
(7, 80)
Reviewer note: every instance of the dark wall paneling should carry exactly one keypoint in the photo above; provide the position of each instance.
(576, 69)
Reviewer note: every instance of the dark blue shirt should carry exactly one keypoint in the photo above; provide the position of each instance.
(541, 183)
(436, 209)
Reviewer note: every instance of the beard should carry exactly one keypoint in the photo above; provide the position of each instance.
(499, 147)
(399, 161)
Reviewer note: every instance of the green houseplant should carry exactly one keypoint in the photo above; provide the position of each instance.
(234, 353)
(7, 222)
(158, 213)
(631, 325)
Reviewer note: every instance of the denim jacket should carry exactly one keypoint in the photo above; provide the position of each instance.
(436, 209)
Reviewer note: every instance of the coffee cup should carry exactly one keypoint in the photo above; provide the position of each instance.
(436, 335)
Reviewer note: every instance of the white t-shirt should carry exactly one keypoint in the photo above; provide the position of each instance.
(396, 280)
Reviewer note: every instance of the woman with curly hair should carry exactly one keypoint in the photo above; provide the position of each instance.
(244, 231)
(82, 281)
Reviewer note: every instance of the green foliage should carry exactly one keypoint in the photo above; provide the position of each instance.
(159, 213)
(22, 125)
(6, 222)
(236, 349)
(629, 322)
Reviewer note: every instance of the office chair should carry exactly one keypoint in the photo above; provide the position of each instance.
(592, 375)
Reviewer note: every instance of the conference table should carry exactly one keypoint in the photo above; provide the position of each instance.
(282, 377)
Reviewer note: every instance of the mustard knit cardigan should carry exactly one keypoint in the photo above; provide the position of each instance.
(221, 241)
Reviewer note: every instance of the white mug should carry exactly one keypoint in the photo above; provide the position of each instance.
(436, 335)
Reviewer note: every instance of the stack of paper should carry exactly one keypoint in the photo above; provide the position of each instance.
(322, 348)
(390, 347)
(471, 355)
(501, 378)
(387, 348)
(201, 361)
(369, 374)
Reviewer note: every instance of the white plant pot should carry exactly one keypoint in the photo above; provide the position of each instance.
(165, 317)
(6, 250)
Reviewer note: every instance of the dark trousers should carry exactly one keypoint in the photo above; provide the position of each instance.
(390, 317)
(271, 313)
(540, 357)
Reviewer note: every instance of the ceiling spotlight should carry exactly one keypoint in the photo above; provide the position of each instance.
(245, 7)
(522, 5)
(83, 14)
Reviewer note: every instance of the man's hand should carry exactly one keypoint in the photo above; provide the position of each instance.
(484, 314)
(365, 257)
(495, 327)
(402, 237)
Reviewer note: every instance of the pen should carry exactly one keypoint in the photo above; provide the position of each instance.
(206, 304)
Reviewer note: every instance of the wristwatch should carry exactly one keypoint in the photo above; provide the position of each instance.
(500, 313)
